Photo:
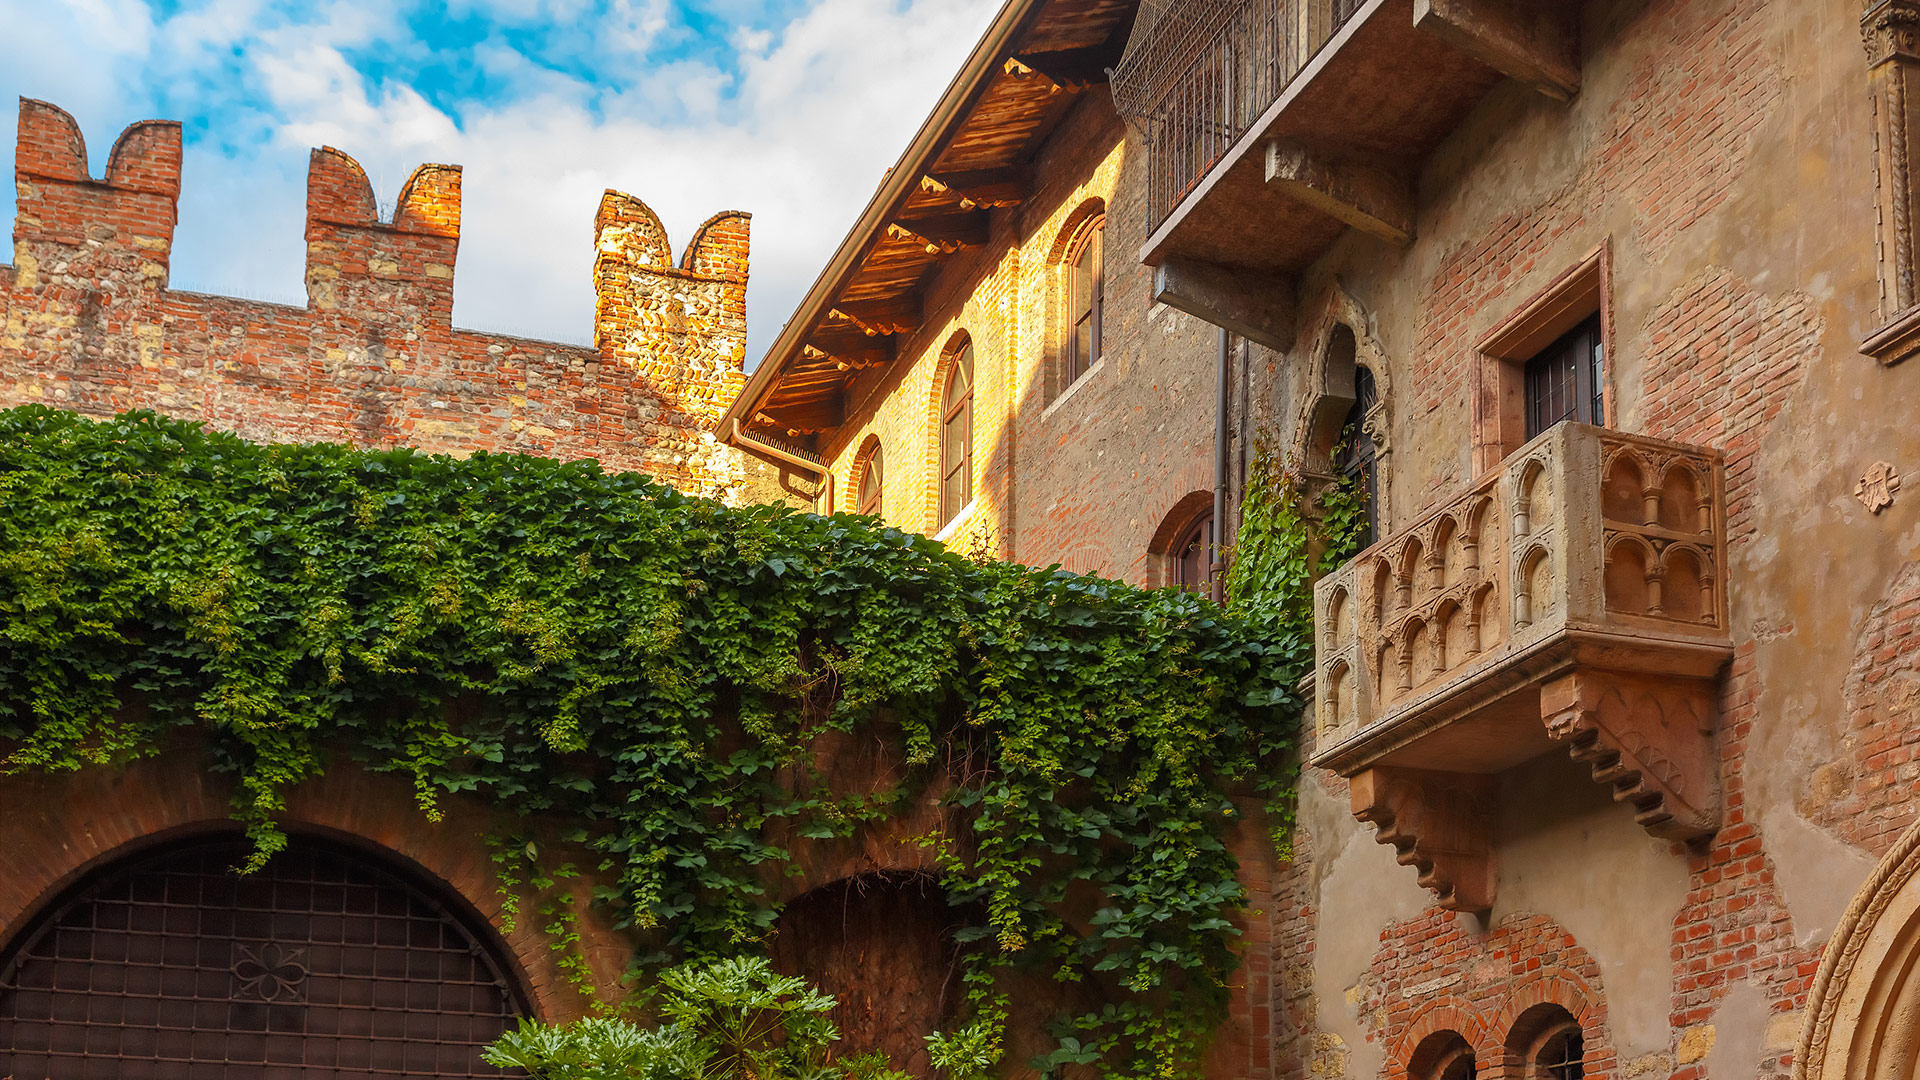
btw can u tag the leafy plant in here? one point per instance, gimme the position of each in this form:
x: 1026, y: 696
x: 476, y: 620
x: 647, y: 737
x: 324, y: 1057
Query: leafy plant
x: 731, y: 1019
x: 638, y: 682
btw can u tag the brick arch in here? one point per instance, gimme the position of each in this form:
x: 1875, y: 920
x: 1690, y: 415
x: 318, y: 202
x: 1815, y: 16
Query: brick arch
x: 62, y: 827
x: 1485, y: 982
x: 1073, y: 228
x: 1439, y: 1016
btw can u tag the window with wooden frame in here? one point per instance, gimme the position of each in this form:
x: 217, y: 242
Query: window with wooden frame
x: 1086, y: 295
x: 1545, y: 363
x: 872, y: 475
x: 956, y: 436
x: 1190, y: 560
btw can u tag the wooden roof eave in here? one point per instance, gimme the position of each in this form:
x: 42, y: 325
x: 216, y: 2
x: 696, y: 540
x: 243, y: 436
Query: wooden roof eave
x: 974, y: 77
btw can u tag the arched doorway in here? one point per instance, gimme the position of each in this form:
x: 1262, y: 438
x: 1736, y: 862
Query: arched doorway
x: 168, y: 965
x: 1863, y: 1014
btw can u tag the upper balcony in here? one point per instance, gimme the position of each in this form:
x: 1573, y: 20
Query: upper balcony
x: 1576, y: 595
x: 1273, y: 125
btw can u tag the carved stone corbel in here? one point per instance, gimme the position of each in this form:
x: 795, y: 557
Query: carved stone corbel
x: 1650, y: 739
x: 1890, y: 31
x: 1440, y: 823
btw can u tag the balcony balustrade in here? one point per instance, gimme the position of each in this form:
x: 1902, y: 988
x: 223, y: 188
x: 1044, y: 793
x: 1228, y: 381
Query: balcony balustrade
x: 1575, y: 596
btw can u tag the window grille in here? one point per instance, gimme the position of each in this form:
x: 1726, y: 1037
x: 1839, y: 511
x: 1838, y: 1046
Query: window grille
x: 1566, y: 381
x: 320, y: 965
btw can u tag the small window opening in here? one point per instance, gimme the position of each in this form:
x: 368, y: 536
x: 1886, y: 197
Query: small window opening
x: 1565, y: 382
x: 1563, y: 1056
x: 868, y: 498
x: 1356, y: 459
x: 1086, y: 288
x: 956, y: 437
x: 1191, y: 557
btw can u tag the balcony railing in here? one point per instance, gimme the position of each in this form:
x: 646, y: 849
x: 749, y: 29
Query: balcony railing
x: 1198, y: 78
x: 1577, y: 596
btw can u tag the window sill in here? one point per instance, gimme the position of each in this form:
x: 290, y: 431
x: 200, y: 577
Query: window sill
x: 1067, y: 394
x: 959, y: 521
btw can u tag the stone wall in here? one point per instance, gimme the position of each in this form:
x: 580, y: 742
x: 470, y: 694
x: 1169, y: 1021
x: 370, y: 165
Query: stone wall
x: 88, y: 322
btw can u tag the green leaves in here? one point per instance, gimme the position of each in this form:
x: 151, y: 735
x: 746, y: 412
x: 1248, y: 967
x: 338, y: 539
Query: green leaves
x: 653, y: 684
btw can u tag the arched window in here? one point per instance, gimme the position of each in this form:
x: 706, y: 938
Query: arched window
x: 1561, y: 1055
x: 322, y: 963
x: 1355, y: 459
x: 1086, y: 293
x: 867, y: 498
x: 956, y: 436
x: 1443, y: 1055
x: 1190, y: 562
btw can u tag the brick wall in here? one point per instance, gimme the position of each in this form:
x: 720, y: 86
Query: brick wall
x: 88, y: 322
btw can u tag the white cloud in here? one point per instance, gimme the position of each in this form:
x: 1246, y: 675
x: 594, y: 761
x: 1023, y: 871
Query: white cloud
x: 799, y: 133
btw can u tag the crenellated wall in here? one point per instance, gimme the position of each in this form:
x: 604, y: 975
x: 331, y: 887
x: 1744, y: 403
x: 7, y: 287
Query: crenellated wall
x: 88, y: 321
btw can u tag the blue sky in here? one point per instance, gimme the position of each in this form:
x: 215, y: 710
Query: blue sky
x: 790, y: 109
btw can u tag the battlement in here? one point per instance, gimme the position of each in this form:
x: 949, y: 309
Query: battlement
x: 87, y: 319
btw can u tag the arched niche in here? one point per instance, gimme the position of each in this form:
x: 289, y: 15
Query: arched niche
x: 1339, y: 347
x: 883, y: 944
x: 1863, y: 1015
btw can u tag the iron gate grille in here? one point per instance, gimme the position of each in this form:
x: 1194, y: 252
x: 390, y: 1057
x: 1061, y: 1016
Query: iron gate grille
x: 318, y: 966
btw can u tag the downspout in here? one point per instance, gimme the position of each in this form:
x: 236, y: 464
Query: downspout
x: 821, y: 474
x: 1220, y: 452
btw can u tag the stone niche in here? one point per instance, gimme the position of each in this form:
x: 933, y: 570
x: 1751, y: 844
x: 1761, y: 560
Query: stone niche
x: 1575, y: 595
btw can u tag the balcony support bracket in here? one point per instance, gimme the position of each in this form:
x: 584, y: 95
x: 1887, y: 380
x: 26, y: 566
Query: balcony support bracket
x: 1649, y: 738
x: 1440, y: 823
x: 1373, y: 200
x: 1535, y: 43
x: 1259, y: 307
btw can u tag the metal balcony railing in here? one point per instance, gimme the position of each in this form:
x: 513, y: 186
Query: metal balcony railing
x: 1198, y: 74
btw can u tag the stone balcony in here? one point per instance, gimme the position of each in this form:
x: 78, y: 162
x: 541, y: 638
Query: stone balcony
x: 1576, y: 596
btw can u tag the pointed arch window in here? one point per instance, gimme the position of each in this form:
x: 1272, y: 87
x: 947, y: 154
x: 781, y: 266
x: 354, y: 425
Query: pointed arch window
x: 1086, y: 293
x: 956, y: 436
x: 867, y: 498
x: 1357, y: 458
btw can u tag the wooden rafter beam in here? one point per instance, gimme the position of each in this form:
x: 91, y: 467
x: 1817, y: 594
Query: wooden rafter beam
x: 849, y: 354
x: 1008, y: 186
x: 1071, y: 69
x: 895, y: 315
x: 944, y: 234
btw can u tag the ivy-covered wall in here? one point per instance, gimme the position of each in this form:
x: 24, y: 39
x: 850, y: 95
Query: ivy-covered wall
x: 649, y: 695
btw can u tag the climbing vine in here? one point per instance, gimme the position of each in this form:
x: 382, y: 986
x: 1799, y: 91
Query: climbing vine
x: 652, y: 675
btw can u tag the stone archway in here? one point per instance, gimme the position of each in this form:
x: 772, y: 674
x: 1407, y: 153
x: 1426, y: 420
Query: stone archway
x: 1863, y: 1015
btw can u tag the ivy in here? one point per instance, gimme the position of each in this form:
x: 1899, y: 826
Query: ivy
x: 640, y: 681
